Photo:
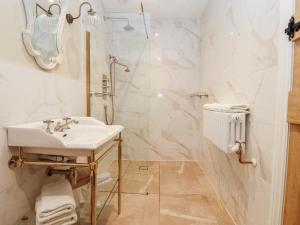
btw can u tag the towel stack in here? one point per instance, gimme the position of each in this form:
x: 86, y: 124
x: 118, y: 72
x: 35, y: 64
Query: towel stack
x: 228, y: 108
x: 56, y: 204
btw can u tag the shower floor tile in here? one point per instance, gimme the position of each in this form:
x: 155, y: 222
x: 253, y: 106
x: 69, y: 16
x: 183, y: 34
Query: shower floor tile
x: 193, y: 209
x: 141, y: 178
x: 185, y: 197
x: 183, y: 178
x: 163, y: 193
x: 136, y: 210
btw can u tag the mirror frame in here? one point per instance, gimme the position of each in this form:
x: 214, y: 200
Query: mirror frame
x: 27, y: 37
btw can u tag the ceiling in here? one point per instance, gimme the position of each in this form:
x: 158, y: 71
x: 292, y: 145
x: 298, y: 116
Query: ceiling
x: 158, y: 8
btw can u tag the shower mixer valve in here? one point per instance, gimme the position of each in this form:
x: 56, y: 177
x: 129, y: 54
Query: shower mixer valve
x: 105, y: 85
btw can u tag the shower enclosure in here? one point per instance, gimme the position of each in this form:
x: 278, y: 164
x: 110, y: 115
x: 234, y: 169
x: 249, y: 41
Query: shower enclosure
x: 119, y: 80
x: 118, y: 93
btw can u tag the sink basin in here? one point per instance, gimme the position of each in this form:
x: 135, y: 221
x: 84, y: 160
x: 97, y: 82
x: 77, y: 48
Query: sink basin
x: 88, y: 134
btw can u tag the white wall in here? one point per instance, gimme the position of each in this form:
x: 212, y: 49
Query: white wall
x: 27, y: 94
x: 240, y: 64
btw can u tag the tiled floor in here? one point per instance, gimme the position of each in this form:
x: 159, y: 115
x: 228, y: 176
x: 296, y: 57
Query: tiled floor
x: 161, y: 193
x: 178, y: 194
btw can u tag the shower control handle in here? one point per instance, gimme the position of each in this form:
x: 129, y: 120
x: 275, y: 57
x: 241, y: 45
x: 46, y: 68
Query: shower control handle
x: 106, y: 85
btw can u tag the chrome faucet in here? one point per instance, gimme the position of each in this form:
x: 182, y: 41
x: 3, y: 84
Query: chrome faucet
x: 61, y: 127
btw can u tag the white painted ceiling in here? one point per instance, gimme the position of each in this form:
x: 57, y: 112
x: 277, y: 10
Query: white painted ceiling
x: 158, y: 8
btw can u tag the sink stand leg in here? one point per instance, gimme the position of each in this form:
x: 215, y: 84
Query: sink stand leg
x: 120, y: 174
x: 93, y: 169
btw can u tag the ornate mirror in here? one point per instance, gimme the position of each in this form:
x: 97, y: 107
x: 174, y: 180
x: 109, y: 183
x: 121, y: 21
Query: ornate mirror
x: 42, y: 37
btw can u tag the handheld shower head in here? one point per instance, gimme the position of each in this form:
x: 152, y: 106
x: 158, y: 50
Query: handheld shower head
x: 114, y: 60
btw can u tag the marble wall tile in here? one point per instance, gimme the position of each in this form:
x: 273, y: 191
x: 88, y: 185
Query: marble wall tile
x: 239, y: 64
x: 231, y: 52
x: 27, y: 94
x: 152, y: 101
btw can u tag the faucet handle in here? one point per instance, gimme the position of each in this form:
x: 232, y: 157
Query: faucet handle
x: 66, y: 119
x: 48, y: 122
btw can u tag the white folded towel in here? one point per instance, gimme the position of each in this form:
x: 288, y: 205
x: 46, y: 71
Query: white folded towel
x: 231, y: 108
x: 61, y: 218
x: 56, y: 202
x: 104, y: 178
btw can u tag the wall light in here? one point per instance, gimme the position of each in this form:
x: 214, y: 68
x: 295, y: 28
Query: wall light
x: 47, y: 11
x: 91, y: 12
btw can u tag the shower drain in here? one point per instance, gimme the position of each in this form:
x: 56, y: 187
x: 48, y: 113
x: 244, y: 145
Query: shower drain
x: 143, y: 168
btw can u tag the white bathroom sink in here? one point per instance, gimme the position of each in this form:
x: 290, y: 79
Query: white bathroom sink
x: 88, y: 134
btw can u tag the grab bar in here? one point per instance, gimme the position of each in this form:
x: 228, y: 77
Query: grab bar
x: 199, y: 94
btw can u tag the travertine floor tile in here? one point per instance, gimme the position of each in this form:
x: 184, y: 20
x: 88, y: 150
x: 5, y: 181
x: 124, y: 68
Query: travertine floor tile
x: 180, y: 194
x: 140, y: 184
x: 141, y: 178
x: 136, y: 210
x: 180, y: 167
x: 191, y: 209
x: 183, y: 178
x: 142, y: 167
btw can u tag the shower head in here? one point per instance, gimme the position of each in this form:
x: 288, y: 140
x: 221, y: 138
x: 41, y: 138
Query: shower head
x: 114, y: 60
x: 127, y: 70
x: 128, y: 27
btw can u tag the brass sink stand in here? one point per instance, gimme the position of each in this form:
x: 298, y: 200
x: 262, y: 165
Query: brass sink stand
x: 19, y: 161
